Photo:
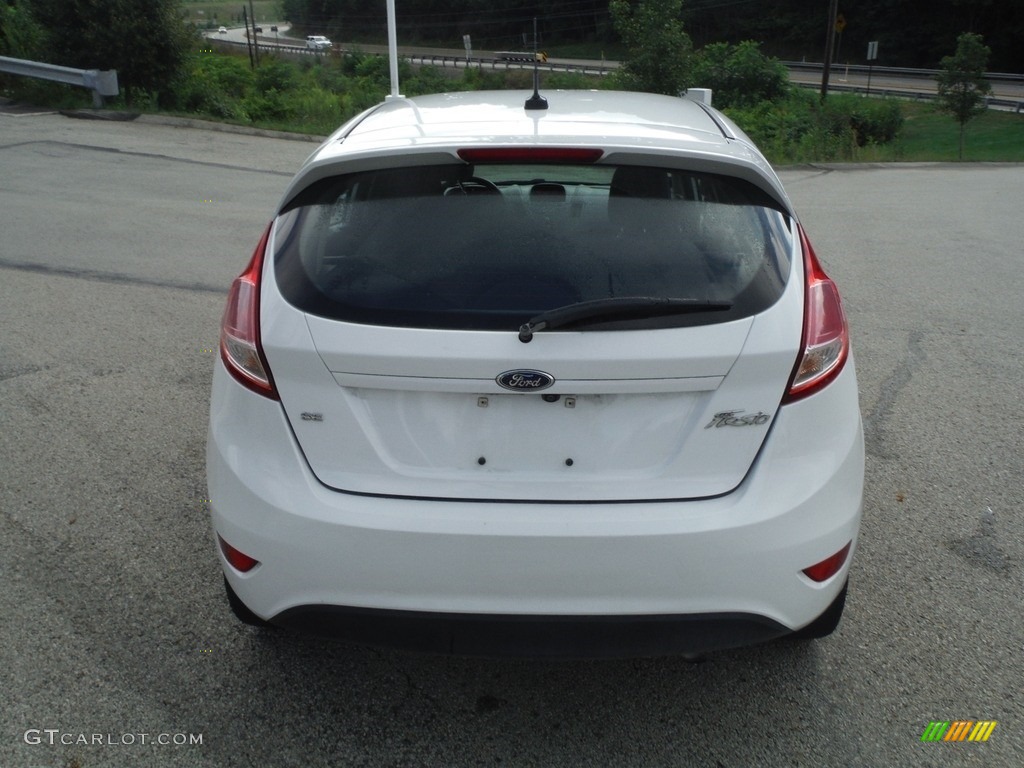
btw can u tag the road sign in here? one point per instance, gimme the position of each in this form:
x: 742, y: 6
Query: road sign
x: 840, y: 23
x: 872, y: 55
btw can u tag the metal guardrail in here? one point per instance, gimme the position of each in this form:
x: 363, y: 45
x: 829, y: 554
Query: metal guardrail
x: 462, y: 62
x: 813, y: 66
x: 431, y: 59
x: 100, y: 82
x: 990, y: 101
x: 1009, y: 82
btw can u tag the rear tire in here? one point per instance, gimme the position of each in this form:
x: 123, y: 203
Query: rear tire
x: 826, y: 624
x: 241, y: 610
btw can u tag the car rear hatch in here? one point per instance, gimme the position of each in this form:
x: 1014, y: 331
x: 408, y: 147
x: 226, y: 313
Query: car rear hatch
x: 532, y: 333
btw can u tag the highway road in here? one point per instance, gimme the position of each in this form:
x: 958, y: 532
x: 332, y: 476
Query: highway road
x: 117, y: 649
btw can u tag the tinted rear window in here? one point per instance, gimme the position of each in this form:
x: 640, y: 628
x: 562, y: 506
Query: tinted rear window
x: 489, y: 247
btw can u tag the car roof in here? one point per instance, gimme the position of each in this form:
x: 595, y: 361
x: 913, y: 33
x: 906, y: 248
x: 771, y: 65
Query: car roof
x: 632, y: 128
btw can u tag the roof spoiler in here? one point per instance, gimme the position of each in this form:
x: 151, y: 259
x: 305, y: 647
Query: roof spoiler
x: 700, y: 95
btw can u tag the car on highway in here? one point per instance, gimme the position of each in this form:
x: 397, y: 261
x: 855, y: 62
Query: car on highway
x: 528, y: 376
x: 318, y: 43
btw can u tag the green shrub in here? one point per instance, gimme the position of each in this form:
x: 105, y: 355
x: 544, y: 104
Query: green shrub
x: 377, y: 70
x: 566, y: 81
x: 276, y: 75
x: 799, y: 128
x: 428, y: 80
x: 267, y: 107
x: 227, y: 75
x: 739, y: 75
x: 213, y: 86
x: 874, y: 121
x: 476, y: 79
x: 320, y: 111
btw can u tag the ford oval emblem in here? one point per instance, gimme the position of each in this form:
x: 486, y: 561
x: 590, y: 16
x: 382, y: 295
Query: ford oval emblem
x: 525, y: 381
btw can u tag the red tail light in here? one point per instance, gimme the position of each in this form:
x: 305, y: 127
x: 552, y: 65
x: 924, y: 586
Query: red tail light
x: 825, y: 346
x: 240, y: 346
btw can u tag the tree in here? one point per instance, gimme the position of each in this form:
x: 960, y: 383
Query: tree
x: 21, y: 35
x: 146, y: 41
x: 739, y: 75
x: 962, y: 83
x: 659, y: 51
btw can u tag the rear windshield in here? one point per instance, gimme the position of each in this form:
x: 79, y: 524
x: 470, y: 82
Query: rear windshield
x: 490, y: 247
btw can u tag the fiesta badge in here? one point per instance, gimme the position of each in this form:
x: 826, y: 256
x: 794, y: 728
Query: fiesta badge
x: 525, y: 381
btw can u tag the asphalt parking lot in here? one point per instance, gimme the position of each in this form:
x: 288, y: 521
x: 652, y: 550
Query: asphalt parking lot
x: 117, y: 245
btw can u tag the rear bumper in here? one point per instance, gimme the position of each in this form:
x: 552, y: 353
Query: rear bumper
x: 623, y: 577
x: 533, y: 636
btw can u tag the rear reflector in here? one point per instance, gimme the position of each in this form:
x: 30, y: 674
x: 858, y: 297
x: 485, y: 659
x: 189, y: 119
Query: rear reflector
x: 828, y: 567
x: 238, y: 560
x: 531, y: 155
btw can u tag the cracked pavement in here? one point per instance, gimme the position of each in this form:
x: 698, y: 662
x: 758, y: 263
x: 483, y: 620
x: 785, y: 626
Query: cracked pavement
x: 117, y: 245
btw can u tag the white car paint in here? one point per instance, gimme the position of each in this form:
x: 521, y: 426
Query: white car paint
x: 318, y: 43
x: 366, y: 467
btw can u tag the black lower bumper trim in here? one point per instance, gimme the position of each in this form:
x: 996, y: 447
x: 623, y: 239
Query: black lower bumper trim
x: 535, y: 636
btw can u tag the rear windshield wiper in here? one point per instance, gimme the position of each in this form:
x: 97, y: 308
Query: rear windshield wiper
x: 618, y: 308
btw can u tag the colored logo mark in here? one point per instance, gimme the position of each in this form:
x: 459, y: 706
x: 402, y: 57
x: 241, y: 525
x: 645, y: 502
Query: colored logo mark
x: 959, y: 730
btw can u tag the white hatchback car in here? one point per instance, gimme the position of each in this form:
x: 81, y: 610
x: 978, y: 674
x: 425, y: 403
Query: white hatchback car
x: 561, y: 381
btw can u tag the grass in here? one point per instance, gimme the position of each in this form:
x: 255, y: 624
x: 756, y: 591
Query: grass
x: 931, y: 136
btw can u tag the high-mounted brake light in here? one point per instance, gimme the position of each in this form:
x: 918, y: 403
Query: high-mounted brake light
x: 531, y: 154
x: 825, y: 345
x: 240, y: 346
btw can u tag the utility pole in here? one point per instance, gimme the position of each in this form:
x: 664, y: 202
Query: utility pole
x: 248, y: 40
x: 255, y: 40
x: 833, y: 13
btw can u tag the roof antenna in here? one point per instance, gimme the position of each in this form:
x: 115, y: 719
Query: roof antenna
x: 536, y: 101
